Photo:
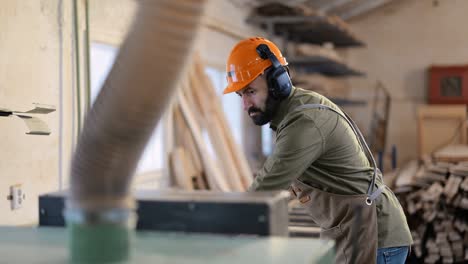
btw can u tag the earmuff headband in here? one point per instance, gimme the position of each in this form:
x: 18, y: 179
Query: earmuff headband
x: 265, y: 53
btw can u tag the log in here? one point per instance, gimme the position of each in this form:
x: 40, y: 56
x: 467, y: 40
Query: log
x: 437, y: 213
x: 451, y: 187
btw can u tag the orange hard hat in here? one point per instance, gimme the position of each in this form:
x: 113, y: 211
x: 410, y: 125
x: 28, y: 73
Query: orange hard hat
x: 244, y: 63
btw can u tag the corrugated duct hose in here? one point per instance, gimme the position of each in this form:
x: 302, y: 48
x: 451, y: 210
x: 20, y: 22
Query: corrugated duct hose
x: 100, y: 211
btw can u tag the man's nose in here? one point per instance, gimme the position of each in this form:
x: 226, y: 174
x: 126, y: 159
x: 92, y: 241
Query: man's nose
x: 246, y: 103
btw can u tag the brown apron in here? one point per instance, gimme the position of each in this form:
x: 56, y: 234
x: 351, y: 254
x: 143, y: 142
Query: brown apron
x: 350, y: 220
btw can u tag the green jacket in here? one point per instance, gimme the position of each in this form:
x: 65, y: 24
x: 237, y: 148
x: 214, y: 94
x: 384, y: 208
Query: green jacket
x: 318, y: 147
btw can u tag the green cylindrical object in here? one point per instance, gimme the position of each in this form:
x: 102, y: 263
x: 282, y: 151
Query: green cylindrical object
x: 100, y: 237
x: 101, y: 243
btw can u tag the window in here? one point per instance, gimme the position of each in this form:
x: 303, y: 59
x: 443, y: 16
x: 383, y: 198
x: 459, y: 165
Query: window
x: 102, y: 58
x: 451, y: 86
x: 267, y: 140
x: 232, y: 105
x: 233, y: 110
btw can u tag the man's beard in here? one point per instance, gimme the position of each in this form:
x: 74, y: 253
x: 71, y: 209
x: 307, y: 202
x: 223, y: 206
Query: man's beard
x: 263, y: 117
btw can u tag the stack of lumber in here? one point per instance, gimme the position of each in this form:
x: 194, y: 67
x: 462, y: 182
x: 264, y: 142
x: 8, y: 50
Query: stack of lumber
x: 330, y: 87
x: 435, y: 198
x: 196, y: 121
x: 326, y: 51
x: 312, y: 27
x: 280, y: 9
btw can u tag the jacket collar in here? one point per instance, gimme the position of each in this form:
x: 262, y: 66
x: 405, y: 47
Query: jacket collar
x: 283, y: 110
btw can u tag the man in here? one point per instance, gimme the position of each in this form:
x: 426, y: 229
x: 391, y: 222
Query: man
x: 320, y: 156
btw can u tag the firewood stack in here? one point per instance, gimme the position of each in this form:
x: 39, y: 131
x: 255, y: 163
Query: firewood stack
x: 196, y: 120
x: 435, y: 199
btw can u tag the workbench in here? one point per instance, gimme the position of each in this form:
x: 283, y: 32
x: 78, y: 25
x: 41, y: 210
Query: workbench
x: 49, y: 245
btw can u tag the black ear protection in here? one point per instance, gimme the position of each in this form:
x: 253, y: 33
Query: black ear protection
x: 279, y: 83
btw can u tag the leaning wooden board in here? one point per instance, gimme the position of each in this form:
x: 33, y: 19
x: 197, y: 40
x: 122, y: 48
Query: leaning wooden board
x: 238, y: 156
x: 214, y: 175
x: 452, y: 153
x: 439, y: 126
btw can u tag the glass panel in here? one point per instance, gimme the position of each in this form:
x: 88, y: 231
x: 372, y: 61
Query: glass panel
x: 267, y: 140
x: 152, y: 158
x: 102, y: 59
x: 232, y: 105
x: 451, y: 86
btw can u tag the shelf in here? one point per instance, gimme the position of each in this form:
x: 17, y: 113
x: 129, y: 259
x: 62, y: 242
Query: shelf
x: 313, y: 30
x: 304, y: 26
x: 322, y: 65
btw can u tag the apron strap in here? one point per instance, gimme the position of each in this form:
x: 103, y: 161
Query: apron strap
x: 374, y: 195
x: 371, y: 194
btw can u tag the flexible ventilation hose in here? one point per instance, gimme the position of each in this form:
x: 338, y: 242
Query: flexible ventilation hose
x: 145, y: 74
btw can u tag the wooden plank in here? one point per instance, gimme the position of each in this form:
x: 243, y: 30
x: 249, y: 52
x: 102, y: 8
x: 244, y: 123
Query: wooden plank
x: 181, y: 169
x: 407, y: 173
x: 452, y: 153
x: 451, y: 186
x: 219, y: 142
x: 464, y: 185
x: 433, y: 193
x: 169, y: 142
x: 214, y: 176
x: 390, y: 178
x: 186, y: 140
x: 237, y: 154
x: 440, y: 125
x: 195, y: 105
x: 194, y: 156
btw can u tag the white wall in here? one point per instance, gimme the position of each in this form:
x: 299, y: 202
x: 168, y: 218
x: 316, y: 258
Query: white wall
x: 35, y: 66
x: 111, y: 19
x: 403, y: 39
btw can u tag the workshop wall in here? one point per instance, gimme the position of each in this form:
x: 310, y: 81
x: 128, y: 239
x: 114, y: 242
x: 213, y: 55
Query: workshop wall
x: 35, y: 67
x: 224, y: 25
x: 403, y: 39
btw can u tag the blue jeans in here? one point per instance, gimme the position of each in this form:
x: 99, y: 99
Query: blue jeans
x: 392, y: 255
